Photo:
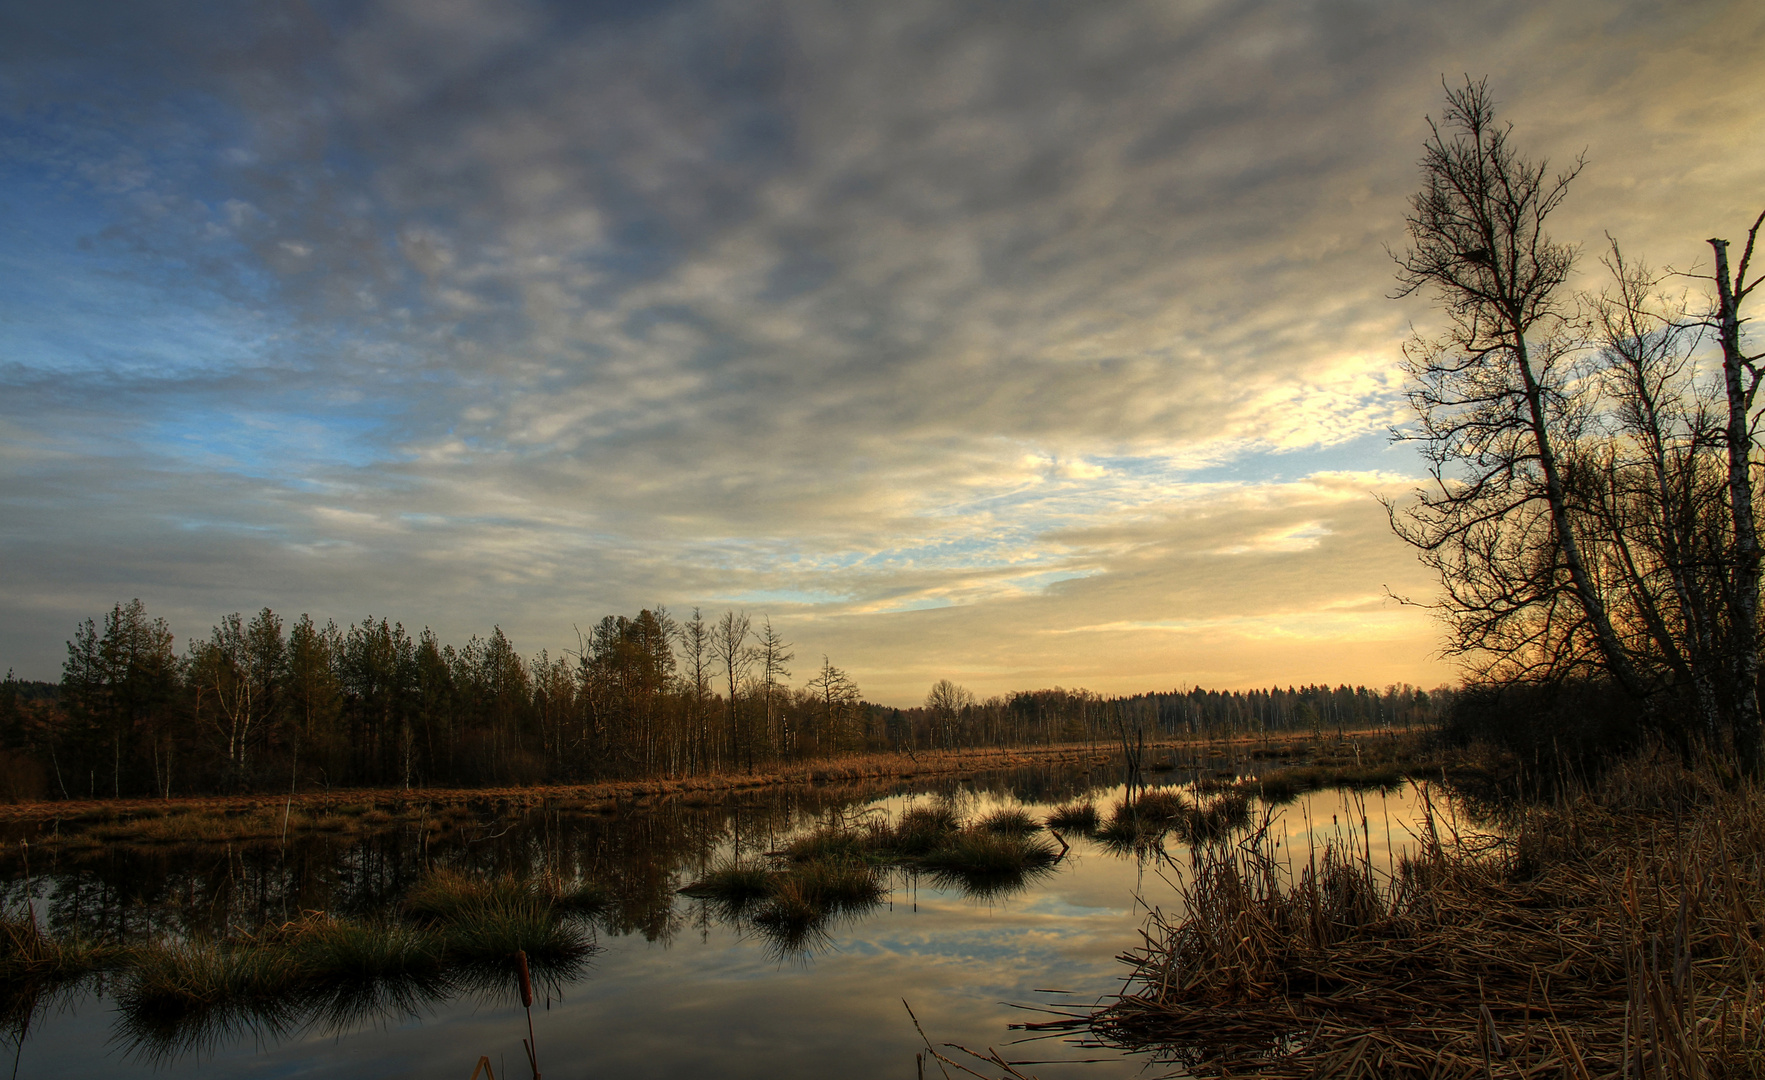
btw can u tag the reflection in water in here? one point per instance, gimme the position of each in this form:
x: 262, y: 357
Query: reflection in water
x: 191, y: 998
x: 211, y: 908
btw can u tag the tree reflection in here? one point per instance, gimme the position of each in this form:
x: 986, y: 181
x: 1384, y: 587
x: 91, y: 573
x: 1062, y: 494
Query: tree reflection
x: 212, y: 943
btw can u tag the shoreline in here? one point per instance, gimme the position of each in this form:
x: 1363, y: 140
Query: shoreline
x: 609, y: 794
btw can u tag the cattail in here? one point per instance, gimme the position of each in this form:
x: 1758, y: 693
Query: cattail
x: 526, y: 980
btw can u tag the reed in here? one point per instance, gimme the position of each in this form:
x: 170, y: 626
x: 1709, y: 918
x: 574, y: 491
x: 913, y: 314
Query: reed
x: 1613, y: 932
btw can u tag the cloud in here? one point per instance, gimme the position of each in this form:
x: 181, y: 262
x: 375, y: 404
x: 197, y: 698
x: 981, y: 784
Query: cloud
x: 993, y: 323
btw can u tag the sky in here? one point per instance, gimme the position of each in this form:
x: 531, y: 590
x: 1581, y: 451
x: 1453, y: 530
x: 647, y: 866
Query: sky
x: 1021, y: 344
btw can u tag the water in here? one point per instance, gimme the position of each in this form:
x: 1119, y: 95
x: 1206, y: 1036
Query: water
x: 673, y: 989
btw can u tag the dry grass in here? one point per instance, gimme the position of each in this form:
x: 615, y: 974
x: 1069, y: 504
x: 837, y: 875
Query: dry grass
x: 397, y: 804
x: 1615, y: 933
x: 28, y: 955
x: 1011, y: 820
x: 1075, y: 817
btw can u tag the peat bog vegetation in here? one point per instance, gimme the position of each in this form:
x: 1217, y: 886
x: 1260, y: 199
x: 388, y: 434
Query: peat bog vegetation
x: 206, y: 928
x: 300, y: 848
x: 1540, y: 923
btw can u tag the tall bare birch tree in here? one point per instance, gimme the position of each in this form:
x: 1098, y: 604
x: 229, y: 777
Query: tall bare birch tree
x: 1741, y: 384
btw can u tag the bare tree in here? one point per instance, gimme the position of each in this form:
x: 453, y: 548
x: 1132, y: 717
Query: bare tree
x: 1591, y: 509
x: 1649, y: 485
x: 945, y: 701
x: 729, y: 643
x: 1496, y: 405
x: 837, y: 695
x: 772, y: 653
x: 695, y: 643
x: 1741, y: 383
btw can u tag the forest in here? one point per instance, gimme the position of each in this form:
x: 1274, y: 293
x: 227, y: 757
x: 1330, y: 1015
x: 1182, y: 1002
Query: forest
x: 263, y: 703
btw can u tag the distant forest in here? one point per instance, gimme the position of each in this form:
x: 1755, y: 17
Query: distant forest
x: 262, y: 704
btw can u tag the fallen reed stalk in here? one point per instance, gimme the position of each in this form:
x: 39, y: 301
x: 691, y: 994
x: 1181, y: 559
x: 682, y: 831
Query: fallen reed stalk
x: 1613, y: 933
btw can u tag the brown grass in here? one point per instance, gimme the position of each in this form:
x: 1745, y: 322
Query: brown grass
x: 126, y: 819
x: 1614, y: 933
x: 401, y: 803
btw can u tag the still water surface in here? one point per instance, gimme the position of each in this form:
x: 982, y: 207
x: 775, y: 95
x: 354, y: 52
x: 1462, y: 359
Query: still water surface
x: 672, y: 990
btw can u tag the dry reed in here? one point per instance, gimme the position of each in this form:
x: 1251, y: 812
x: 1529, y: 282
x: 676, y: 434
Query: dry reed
x: 1614, y: 933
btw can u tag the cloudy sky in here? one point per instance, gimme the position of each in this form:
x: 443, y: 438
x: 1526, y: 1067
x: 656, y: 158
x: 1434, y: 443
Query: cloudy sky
x: 1021, y: 343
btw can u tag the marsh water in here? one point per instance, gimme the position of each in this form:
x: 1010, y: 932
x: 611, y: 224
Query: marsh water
x: 674, y: 987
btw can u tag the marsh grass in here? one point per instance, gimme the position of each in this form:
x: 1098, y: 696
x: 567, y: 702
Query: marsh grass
x: 732, y: 883
x: 832, y: 843
x: 458, y: 932
x: 1140, y: 824
x: 206, y: 983
x: 920, y: 830
x: 1010, y: 821
x: 1165, y: 806
x: 28, y: 955
x: 1215, y: 819
x: 487, y: 920
x: 1125, y: 834
x: 1079, y: 817
x: 981, y: 851
x: 1613, y: 932
x: 1285, y: 785
x: 792, y: 904
x: 838, y: 870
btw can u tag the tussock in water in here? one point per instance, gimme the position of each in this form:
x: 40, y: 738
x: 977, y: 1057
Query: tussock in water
x: 1011, y: 821
x: 984, y: 863
x: 732, y: 884
x: 1285, y: 785
x: 793, y: 904
x: 1075, y: 817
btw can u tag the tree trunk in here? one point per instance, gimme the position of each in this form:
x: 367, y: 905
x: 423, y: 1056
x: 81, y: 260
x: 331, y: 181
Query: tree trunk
x: 1744, y: 586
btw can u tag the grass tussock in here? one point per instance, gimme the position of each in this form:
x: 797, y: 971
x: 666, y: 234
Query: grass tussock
x: 831, y: 844
x: 732, y: 883
x: 1140, y: 824
x: 1214, y: 820
x: 486, y: 920
x: 1009, y: 821
x: 980, y: 855
x: 1616, y: 932
x: 458, y: 931
x: 30, y: 956
x: 1075, y: 817
x: 1284, y: 785
x: 920, y: 830
x: 793, y: 903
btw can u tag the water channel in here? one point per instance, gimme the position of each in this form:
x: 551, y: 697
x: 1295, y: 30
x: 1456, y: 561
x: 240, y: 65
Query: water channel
x: 673, y: 988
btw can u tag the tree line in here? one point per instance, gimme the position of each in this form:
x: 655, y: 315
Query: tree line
x: 1591, y: 514
x: 268, y: 704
